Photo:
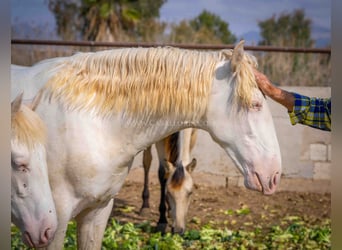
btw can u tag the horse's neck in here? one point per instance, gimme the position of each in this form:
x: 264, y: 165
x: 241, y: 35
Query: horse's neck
x: 147, y: 136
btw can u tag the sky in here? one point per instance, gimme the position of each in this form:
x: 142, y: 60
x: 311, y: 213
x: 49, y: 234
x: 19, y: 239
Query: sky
x: 241, y: 15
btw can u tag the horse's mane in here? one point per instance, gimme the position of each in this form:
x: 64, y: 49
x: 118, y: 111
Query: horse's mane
x: 27, y: 128
x: 142, y: 82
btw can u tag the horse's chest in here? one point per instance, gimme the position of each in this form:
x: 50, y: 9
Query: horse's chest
x: 96, y: 181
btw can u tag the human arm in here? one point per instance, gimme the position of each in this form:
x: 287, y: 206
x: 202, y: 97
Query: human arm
x: 310, y: 111
x: 277, y: 94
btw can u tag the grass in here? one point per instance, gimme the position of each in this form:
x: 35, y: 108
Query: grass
x: 292, y: 233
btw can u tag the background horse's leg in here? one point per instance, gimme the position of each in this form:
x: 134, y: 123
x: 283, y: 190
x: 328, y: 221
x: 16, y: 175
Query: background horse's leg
x: 162, y: 222
x: 91, y: 225
x: 147, y: 159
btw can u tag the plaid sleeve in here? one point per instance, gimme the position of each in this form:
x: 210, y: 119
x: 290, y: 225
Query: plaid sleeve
x: 314, y: 112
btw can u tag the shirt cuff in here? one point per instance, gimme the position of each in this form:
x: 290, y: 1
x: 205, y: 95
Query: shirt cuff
x: 300, y: 109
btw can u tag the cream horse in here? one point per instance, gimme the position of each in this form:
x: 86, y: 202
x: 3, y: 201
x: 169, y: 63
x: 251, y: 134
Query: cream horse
x: 32, y: 206
x: 176, y: 184
x: 102, y: 108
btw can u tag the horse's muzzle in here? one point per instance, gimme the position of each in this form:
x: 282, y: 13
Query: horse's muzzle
x: 44, y: 239
x: 268, y: 183
x: 178, y: 230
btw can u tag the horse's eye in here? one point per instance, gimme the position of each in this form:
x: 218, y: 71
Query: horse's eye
x: 189, y: 193
x: 23, y: 168
x: 256, y: 105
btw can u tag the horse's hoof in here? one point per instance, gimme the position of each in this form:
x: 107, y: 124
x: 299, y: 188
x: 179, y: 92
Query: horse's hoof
x: 161, y: 227
x: 145, y: 211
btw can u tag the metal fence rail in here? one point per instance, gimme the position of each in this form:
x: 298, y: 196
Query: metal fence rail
x: 185, y: 46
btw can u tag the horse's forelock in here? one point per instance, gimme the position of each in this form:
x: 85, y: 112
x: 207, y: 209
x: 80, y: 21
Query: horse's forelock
x: 245, y: 81
x: 27, y: 128
x: 178, y: 176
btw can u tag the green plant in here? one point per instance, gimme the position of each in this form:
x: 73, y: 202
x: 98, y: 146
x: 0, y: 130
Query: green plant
x: 292, y: 232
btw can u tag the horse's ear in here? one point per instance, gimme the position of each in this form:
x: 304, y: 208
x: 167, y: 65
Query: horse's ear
x: 191, y: 166
x: 237, y: 55
x: 16, y: 103
x: 169, y: 167
x: 33, y: 105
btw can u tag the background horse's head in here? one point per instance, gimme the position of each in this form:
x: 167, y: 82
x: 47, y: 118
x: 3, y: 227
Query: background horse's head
x: 32, y: 205
x: 179, y: 187
x: 240, y: 121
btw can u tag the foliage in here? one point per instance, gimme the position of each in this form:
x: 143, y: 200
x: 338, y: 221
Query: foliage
x: 103, y: 20
x: 292, y: 232
x: 16, y: 241
x: 205, y: 28
x: 288, y: 30
x: 292, y: 30
x: 213, y: 23
x: 67, y: 18
x: 132, y: 20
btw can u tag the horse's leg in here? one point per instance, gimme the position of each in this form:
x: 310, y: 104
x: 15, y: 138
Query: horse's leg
x: 162, y: 222
x: 193, y: 138
x: 91, y: 225
x: 147, y: 159
x: 189, y: 140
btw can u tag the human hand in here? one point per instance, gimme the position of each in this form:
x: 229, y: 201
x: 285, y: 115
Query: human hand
x: 261, y: 80
x: 279, y: 95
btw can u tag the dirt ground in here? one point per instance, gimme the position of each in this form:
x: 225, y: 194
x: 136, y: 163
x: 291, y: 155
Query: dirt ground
x: 210, y: 205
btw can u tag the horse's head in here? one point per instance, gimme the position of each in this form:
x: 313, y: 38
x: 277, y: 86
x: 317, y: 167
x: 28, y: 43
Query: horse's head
x: 32, y: 206
x: 178, y: 192
x: 240, y: 121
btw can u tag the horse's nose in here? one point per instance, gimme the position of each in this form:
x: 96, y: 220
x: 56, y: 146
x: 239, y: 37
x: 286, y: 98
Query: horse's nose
x: 178, y: 230
x: 44, y: 239
x: 267, y: 183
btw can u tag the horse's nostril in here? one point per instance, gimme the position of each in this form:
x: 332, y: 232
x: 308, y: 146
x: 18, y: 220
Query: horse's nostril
x: 276, y: 178
x: 45, y: 236
x: 28, y: 239
x: 274, y: 181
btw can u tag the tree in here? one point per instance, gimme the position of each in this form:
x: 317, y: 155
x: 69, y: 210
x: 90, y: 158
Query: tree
x: 207, y: 21
x: 292, y: 30
x: 205, y: 28
x: 288, y: 30
x: 66, y: 15
x: 103, y: 20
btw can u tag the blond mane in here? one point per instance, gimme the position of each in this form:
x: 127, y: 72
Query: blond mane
x: 142, y: 82
x: 27, y: 128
